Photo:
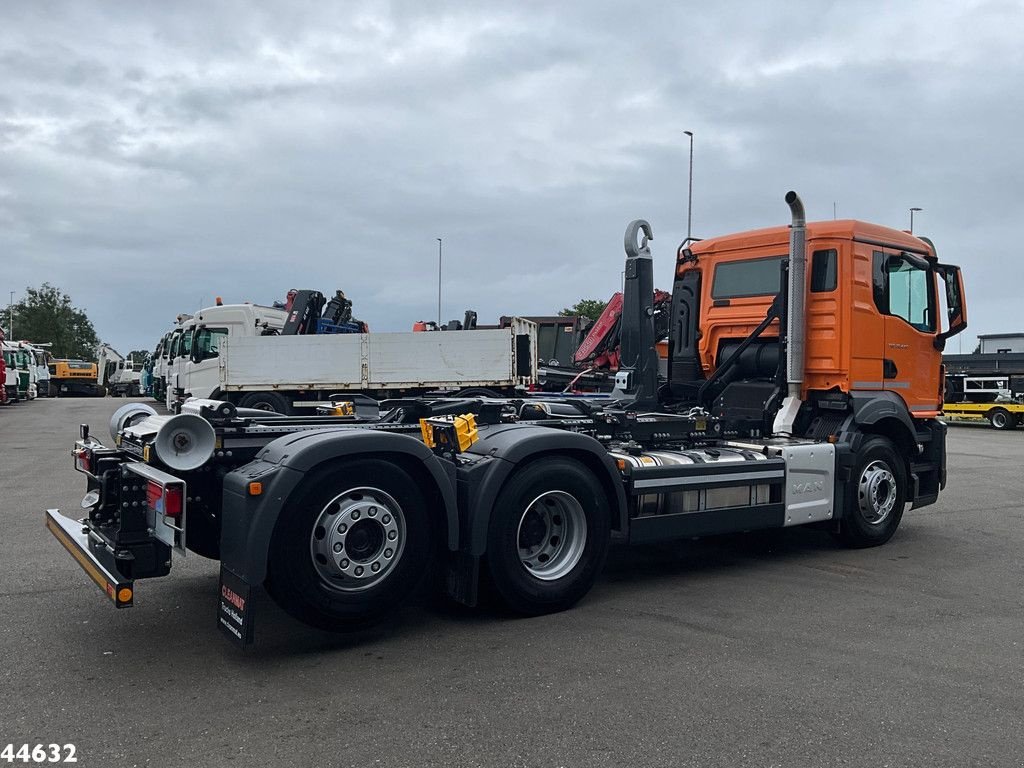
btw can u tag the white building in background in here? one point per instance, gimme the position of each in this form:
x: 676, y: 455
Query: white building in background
x: 992, y: 343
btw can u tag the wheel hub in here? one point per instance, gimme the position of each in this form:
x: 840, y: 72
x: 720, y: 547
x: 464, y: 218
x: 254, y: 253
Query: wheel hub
x: 357, y: 539
x: 551, y: 536
x: 876, y: 492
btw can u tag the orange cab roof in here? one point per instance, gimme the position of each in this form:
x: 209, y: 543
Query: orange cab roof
x: 843, y: 229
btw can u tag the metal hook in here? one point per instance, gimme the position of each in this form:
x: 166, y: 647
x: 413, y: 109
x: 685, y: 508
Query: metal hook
x: 632, y: 249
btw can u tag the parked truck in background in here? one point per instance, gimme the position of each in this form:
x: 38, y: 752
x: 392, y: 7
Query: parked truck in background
x: 997, y: 399
x: 199, y: 375
x: 118, y: 375
x: 235, y: 352
x: 8, y: 389
x: 163, y: 357
x: 19, y: 373
x: 804, y: 388
x: 40, y: 358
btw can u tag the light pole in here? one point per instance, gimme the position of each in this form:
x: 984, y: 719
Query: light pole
x: 912, y: 218
x: 439, y: 245
x: 689, y: 193
x: 10, y: 308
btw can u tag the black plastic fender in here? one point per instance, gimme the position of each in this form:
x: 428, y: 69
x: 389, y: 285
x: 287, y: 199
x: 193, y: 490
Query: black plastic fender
x: 247, y: 523
x: 871, y: 407
x: 507, y: 446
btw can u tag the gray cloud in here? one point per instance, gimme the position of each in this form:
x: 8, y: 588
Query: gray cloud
x: 155, y: 155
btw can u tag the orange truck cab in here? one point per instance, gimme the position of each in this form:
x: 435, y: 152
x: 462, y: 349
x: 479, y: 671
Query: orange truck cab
x: 830, y: 331
x: 872, y: 312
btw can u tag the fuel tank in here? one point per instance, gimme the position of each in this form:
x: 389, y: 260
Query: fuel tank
x: 697, y: 499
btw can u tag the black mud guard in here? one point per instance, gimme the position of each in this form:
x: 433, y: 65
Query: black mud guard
x: 248, y: 521
x: 502, y: 448
x: 871, y: 407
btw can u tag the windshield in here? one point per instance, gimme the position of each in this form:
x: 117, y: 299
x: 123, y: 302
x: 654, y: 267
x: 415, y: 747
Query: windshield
x: 208, y: 341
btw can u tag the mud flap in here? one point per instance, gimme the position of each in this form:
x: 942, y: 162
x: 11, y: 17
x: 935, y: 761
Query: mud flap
x: 235, y: 609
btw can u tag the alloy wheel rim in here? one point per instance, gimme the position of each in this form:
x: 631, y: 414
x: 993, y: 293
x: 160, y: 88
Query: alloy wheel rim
x: 358, y: 539
x: 551, y: 535
x: 876, y: 492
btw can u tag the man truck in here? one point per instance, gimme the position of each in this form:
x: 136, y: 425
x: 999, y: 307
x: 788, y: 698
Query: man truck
x: 804, y: 387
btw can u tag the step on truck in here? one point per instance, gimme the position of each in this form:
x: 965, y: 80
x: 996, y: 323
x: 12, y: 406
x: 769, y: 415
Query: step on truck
x: 804, y: 388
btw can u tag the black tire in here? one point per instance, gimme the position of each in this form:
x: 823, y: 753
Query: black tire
x: 1001, y: 419
x: 295, y: 581
x: 879, y: 474
x: 266, y: 401
x: 547, y: 485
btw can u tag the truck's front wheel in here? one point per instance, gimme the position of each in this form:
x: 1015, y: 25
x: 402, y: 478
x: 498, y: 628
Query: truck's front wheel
x: 352, y: 545
x: 548, y: 536
x: 876, y: 495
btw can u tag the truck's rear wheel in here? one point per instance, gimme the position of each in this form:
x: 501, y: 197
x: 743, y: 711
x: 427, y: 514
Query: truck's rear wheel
x: 266, y: 401
x: 548, y: 536
x: 350, y: 546
x: 876, y: 495
x: 1000, y: 418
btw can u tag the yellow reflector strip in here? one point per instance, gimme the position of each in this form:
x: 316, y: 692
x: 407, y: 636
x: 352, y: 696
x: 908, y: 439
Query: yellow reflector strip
x: 82, y: 560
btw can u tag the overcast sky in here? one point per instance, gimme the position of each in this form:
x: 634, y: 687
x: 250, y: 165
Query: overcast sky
x: 154, y: 155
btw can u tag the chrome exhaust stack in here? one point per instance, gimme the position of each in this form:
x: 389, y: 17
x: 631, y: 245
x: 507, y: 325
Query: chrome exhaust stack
x: 796, y: 321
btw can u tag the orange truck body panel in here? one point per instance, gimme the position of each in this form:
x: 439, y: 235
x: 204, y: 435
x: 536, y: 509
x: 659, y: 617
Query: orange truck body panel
x: 848, y: 338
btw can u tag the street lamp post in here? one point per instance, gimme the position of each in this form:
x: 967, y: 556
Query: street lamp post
x: 689, y: 193
x: 439, y: 245
x: 10, y: 308
x: 912, y: 218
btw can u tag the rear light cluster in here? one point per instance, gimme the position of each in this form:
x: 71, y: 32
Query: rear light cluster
x: 83, y: 460
x: 165, y: 500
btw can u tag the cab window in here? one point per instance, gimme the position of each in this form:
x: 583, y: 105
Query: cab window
x: 824, y: 271
x: 902, y: 289
x: 749, y: 277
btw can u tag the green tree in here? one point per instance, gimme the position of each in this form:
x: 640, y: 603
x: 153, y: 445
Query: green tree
x: 47, y: 314
x: 591, y: 308
x: 138, y: 355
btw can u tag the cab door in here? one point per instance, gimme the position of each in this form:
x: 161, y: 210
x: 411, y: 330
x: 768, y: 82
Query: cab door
x: 904, y: 290
x: 204, y: 370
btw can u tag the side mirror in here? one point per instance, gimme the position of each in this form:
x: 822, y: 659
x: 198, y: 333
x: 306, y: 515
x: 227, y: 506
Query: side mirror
x: 956, y: 308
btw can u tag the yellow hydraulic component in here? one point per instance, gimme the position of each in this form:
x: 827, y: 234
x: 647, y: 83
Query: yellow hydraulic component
x: 343, y: 408
x: 449, y: 434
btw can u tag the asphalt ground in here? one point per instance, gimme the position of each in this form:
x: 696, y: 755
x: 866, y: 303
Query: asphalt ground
x: 754, y: 650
